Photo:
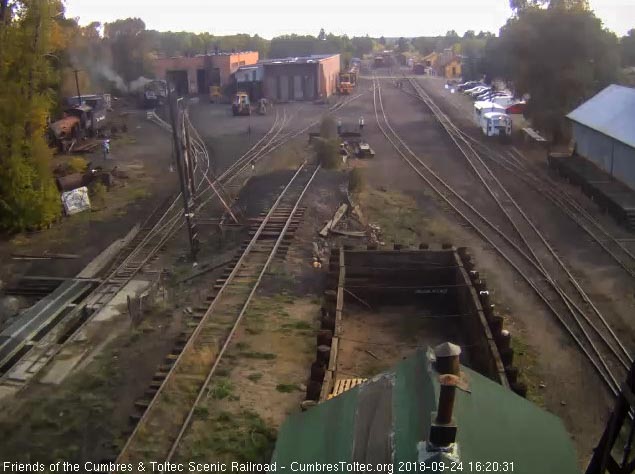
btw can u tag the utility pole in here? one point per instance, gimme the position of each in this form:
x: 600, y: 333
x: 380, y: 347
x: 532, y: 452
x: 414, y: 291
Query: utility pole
x: 178, y: 152
x: 79, y: 95
x: 190, y: 161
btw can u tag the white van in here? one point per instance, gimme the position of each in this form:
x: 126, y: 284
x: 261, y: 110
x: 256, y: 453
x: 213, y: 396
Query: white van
x: 483, y: 106
x: 496, y: 124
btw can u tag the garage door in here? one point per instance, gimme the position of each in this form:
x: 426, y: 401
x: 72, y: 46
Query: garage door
x: 298, y: 91
x: 283, y: 82
x: 310, y: 87
x: 271, y: 88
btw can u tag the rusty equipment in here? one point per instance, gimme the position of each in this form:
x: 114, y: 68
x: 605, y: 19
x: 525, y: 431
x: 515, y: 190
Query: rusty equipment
x: 347, y: 81
x: 215, y: 95
x: 80, y: 120
x: 241, y: 104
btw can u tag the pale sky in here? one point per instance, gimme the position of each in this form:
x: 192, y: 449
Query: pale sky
x: 268, y: 18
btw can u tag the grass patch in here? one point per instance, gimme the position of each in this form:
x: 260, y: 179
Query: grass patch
x: 242, y: 437
x: 526, y: 359
x: 301, y: 325
x: 287, y: 156
x: 223, y: 372
x: 286, y: 387
x: 241, y: 346
x: 97, y: 193
x: 283, y: 279
x: 77, y: 164
x: 222, y: 389
x: 258, y: 355
x: 135, y: 192
x: 52, y: 426
x: 356, y: 181
x: 255, y: 376
x: 284, y: 298
x: 400, y: 218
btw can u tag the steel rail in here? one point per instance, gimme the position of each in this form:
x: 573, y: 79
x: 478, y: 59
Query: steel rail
x: 210, y: 310
x: 243, y: 310
x: 607, y: 378
x: 554, y: 193
x: 560, y: 199
x: 460, y: 141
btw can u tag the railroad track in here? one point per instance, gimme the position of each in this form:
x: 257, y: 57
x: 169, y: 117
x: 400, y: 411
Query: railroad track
x: 184, y: 378
x: 516, y: 164
x: 158, y: 229
x: 546, y: 275
x: 147, y: 242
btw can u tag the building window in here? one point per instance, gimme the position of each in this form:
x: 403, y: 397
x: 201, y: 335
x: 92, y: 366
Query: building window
x: 242, y: 63
x: 253, y: 76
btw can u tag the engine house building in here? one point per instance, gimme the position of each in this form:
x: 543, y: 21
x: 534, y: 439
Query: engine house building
x: 303, y: 78
x: 195, y: 75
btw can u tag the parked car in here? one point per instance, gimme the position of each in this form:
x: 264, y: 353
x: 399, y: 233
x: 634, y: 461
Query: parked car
x: 478, y: 92
x: 475, y: 88
x: 485, y: 95
x: 492, y: 95
x: 469, y: 85
x: 517, y: 108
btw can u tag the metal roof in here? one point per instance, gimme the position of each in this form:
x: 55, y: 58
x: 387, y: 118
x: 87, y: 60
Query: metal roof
x: 611, y: 112
x: 314, y: 58
x: 385, y: 419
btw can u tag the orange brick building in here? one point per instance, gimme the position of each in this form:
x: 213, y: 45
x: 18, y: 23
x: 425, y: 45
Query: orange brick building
x: 194, y: 75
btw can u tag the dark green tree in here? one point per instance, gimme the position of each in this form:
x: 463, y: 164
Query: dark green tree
x: 559, y: 57
x: 627, y: 49
x: 402, y: 45
x: 130, y: 48
x: 362, y: 45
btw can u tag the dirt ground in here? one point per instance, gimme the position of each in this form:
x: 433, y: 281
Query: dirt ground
x: 268, y: 362
x: 262, y: 378
x: 375, y: 341
x: 144, y: 153
x: 121, y: 371
x: 548, y: 358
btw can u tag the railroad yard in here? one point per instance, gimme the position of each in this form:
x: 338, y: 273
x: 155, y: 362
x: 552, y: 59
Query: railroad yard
x: 148, y: 354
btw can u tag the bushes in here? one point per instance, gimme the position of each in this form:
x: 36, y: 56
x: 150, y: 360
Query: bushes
x: 97, y: 193
x: 77, y: 164
x: 356, y: 181
x: 29, y: 199
x: 327, y: 145
x: 28, y: 196
x: 328, y: 152
x: 328, y: 129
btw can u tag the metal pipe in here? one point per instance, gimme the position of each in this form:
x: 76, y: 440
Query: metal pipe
x: 79, y: 95
x: 445, y: 409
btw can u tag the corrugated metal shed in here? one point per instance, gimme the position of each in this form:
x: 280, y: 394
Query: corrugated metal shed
x: 385, y: 419
x: 611, y: 112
